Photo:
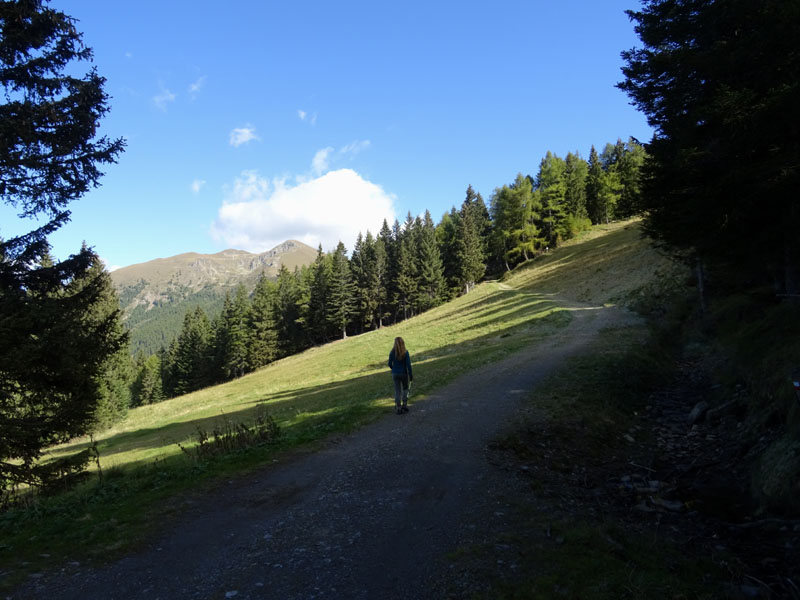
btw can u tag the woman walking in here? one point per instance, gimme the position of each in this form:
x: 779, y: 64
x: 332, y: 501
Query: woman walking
x: 400, y: 364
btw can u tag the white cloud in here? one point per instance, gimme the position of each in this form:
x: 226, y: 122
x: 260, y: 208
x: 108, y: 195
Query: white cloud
x: 258, y: 215
x: 242, y: 135
x: 354, y: 148
x: 324, y: 158
x: 195, y: 87
x: 321, y: 161
x: 302, y: 114
x: 162, y: 99
x: 311, y: 119
x: 197, y: 185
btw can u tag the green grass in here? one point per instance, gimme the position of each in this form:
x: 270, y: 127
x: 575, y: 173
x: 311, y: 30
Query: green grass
x: 324, y: 391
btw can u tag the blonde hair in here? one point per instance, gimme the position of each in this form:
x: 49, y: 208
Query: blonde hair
x: 399, y: 348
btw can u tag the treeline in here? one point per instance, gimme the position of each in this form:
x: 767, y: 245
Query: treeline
x: 402, y: 271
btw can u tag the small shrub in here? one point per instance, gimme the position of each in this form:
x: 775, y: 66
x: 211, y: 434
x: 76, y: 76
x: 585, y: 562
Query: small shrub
x: 227, y: 436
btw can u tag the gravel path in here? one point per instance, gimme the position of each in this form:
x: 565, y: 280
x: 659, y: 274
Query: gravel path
x: 372, y: 515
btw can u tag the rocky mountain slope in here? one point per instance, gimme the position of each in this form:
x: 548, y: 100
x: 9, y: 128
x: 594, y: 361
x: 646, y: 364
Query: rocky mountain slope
x: 155, y: 295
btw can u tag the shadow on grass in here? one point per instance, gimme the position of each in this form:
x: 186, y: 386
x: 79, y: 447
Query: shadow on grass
x: 303, y: 412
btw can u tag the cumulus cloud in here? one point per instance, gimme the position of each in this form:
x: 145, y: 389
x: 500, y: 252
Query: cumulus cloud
x: 257, y: 214
x: 163, y: 99
x: 197, y: 185
x: 242, y: 135
x: 302, y: 114
x: 195, y: 87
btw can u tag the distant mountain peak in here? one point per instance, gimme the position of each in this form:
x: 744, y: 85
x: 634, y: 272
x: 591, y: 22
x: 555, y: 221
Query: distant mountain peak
x: 158, y: 285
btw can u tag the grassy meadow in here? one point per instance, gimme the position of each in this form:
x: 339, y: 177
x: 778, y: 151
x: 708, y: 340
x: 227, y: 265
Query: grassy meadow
x: 327, y: 390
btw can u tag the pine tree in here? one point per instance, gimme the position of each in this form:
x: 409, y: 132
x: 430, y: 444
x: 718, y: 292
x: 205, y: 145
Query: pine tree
x: 430, y: 272
x: 317, y: 320
x: 192, y: 363
x: 114, y: 377
x: 551, y: 191
x: 407, y: 269
x: 291, y: 337
x: 575, y: 173
x: 389, y: 238
x: 342, y: 292
x: 262, y: 324
x: 447, y: 236
x: 53, y: 355
x: 594, y: 185
x: 232, y: 337
x: 471, y: 266
x: 147, y: 387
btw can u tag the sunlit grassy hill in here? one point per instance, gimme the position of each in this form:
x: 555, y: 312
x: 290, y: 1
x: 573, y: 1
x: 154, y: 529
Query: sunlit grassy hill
x: 324, y: 391
x: 345, y: 384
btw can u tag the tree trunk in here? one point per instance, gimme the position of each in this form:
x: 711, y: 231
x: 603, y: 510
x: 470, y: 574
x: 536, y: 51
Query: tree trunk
x: 701, y: 284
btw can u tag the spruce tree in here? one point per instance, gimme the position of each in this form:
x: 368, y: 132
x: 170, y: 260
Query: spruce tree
x: 407, y: 269
x: 594, y: 184
x: 447, y: 236
x: 262, y: 324
x: 317, y: 315
x: 53, y: 355
x: 388, y: 236
x: 232, y: 337
x: 342, y: 292
x: 430, y: 272
x: 471, y: 266
x: 291, y: 338
x: 193, y: 360
x: 147, y: 386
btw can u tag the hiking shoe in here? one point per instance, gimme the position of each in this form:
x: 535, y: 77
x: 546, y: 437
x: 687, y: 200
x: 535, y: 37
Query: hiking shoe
x: 399, y: 411
x: 404, y: 409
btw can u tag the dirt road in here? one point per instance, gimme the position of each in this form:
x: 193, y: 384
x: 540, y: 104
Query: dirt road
x: 372, y: 515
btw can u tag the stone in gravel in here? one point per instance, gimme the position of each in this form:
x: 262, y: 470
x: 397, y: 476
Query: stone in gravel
x: 698, y: 412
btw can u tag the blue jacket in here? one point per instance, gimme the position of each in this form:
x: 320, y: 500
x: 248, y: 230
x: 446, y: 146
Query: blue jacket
x: 400, y: 367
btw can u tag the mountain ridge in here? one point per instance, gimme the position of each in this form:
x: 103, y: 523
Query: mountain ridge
x: 155, y: 295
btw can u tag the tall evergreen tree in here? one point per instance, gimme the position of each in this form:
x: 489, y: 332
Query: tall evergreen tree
x: 551, y: 189
x: 317, y: 320
x: 594, y: 184
x: 471, y: 266
x: 192, y: 361
x: 262, y: 324
x: 147, y: 386
x: 447, y: 236
x: 287, y: 312
x: 342, y: 292
x: 407, y: 269
x: 232, y: 336
x: 430, y: 278
x: 114, y: 378
x: 52, y: 356
x: 575, y: 173
x: 389, y: 237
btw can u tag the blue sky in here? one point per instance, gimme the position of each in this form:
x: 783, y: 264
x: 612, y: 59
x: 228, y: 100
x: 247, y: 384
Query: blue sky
x: 252, y: 122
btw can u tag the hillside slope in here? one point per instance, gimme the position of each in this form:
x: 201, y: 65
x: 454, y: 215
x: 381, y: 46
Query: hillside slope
x: 155, y: 295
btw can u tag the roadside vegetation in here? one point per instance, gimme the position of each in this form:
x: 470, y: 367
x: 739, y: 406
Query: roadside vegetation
x: 324, y: 391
